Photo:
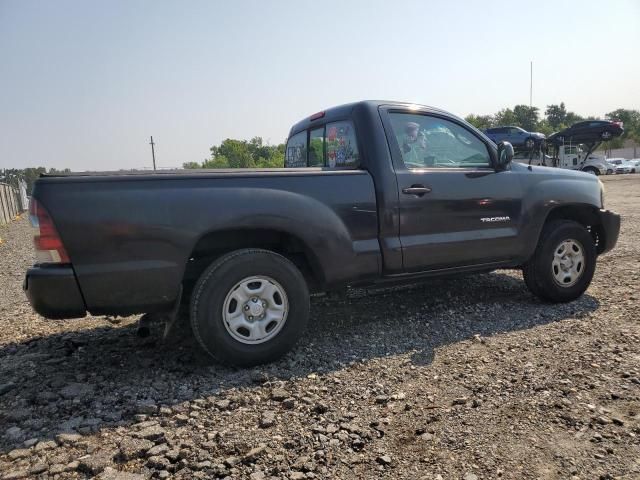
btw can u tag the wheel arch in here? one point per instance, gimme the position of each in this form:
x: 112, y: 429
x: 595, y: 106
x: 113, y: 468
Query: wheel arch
x: 586, y: 215
x: 213, y: 244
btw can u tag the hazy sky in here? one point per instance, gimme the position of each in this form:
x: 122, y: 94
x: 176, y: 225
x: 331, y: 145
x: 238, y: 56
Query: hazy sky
x: 84, y: 83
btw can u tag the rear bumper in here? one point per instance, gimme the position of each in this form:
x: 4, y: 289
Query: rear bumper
x: 53, y: 292
x: 611, y: 227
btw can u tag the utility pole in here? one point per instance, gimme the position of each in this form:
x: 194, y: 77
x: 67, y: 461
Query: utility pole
x: 531, y: 86
x: 153, y: 153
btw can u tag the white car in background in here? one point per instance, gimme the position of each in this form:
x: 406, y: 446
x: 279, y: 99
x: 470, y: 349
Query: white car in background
x: 618, y: 165
x: 626, y: 166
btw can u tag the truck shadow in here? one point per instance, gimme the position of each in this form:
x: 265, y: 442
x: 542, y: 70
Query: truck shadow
x: 101, y: 378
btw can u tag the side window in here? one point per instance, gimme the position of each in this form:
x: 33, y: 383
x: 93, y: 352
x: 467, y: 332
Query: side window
x: 431, y: 142
x: 341, y: 145
x: 296, y: 154
x: 316, y: 148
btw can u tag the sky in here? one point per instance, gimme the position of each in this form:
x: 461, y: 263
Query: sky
x: 83, y: 84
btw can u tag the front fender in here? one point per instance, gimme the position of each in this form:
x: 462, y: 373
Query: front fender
x: 547, y: 189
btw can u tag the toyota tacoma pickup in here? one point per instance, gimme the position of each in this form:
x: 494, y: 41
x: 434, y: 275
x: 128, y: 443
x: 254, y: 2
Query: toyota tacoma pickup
x: 371, y: 192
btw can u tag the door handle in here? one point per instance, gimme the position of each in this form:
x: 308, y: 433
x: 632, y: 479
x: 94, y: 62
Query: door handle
x: 418, y: 190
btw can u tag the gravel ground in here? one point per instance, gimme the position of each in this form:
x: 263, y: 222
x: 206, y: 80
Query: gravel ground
x: 466, y: 378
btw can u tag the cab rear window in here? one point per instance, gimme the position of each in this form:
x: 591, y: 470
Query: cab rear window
x: 296, y: 154
x: 333, y: 145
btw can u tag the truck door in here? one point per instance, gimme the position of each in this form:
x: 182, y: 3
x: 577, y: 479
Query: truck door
x: 454, y: 208
x: 569, y: 157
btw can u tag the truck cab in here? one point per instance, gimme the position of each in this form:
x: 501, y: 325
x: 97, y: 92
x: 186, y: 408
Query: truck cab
x: 574, y: 158
x: 570, y: 157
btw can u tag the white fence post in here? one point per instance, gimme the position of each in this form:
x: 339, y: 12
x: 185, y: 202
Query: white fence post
x: 11, y: 203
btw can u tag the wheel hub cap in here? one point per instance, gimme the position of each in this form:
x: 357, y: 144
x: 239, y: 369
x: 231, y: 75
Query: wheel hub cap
x: 255, y: 309
x: 568, y: 263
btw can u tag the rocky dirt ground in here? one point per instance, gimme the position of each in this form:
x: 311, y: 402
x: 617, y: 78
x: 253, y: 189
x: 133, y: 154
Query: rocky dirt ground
x: 466, y: 378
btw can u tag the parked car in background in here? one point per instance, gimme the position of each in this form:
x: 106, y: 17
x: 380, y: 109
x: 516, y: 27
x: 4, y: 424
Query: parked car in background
x: 626, y: 166
x: 587, y: 132
x: 616, y: 161
x: 611, y: 168
x: 516, y: 136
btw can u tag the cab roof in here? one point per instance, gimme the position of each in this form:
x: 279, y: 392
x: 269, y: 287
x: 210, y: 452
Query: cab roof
x: 346, y: 111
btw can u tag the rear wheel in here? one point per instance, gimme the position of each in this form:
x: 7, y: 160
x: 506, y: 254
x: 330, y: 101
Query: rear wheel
x: 605, y: 135
x: 249, y: 307
x: 592, y: 171
x: 563, y: 264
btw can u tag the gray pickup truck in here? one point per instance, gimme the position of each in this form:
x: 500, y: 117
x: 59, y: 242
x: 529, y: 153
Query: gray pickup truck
x: 372, y: 192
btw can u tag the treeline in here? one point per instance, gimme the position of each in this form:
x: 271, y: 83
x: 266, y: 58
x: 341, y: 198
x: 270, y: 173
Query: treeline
x: 12, y: 176
x: 555, y: 118
x: 242, y: 154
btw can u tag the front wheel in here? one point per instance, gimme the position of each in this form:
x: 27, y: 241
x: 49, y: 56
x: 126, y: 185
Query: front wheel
x: 563, y: 264
x: 249, y: 307
x: 592, y: 171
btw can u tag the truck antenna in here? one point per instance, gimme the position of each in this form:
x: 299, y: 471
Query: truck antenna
x: 153, y: 153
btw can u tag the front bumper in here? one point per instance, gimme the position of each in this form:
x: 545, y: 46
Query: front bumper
x: 611, y: 229
x: 53, y: 292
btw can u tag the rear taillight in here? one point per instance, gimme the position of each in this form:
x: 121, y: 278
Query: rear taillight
x: 48, y: 244
x: 618, y: 123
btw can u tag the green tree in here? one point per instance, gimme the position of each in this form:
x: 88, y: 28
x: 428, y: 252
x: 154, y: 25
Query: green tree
x: 526, y: 117
x: 187, y: 165
x: 572, y: 118
x: 29, y: 175
x: 544, y: 127
x: 232, y: 153
x: 631, y: 125
x: 505, y: 117
x: 556, y: 115
x: 481, y: 122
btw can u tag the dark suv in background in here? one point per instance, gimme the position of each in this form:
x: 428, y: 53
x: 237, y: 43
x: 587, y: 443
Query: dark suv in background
x: 516, y: 136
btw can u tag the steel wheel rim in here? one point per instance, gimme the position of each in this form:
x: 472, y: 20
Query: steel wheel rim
x: 255, y: 310
x: 568, y: 263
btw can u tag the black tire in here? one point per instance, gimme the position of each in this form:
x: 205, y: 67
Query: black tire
x: 529, y: 143
x: 606, y: 135
x: 219, y: 279
x: 593, y: 171
x: 538, y: 273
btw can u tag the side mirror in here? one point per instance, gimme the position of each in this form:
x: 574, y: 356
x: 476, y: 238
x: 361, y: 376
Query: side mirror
x: 505, y: 155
